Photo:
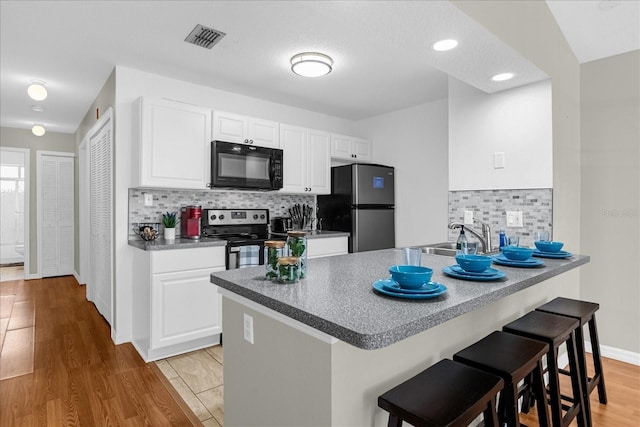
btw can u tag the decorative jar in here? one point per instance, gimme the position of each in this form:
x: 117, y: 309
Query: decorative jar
x: 273, y: 249
x: 297, y: 244
x: 288, y: 269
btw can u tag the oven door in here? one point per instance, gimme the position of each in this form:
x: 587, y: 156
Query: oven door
x: 245, y: 166
x: 245, y: 254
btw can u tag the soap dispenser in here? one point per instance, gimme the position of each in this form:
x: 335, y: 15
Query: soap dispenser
x: 503, y: 238
x: 462, y: 239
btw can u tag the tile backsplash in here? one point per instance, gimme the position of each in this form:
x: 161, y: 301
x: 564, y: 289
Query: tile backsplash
x: 173, y: 200
x: 490, y: 206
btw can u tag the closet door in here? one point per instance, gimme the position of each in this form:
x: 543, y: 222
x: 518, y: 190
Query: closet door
x: 55, y: 214
x: 100, y: 256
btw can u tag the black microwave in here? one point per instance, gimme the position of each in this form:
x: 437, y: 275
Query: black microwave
x: 245, y: 166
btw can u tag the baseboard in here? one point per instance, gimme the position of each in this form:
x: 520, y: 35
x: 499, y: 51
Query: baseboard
x: 35, y: 276
x: 77, y: 276
x: 616, y: 354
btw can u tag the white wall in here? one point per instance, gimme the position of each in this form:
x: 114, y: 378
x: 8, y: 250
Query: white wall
x: 131, y: 84
x: 516, y: 122
x: 414, y: 141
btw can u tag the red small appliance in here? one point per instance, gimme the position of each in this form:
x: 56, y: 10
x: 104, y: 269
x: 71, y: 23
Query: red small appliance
x: 190, y: 222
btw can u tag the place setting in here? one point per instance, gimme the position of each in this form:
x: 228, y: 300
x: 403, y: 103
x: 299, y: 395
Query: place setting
x: 546, y: 248
x: 471, y: 266
x: 513, y: 255
x: 410, y: 280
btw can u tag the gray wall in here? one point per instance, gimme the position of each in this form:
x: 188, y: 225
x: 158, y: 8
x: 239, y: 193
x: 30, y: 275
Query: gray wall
x: 50, y: 141
x: 610, y: 199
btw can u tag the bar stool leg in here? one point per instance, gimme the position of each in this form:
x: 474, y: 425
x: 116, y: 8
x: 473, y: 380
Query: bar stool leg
x: 490, y: 416
x: 574, y: 365
x: 539, y: 390
x: 394, y: 421
x: 554, y: 388
x: 597, y: 361
x: 582, y: 365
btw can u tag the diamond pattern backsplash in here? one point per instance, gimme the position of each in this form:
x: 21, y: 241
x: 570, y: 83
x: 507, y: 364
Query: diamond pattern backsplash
x: 173, y: 200
x: 490, y: 206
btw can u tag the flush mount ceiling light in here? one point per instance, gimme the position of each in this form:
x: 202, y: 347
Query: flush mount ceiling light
x: 311, y: 64
x: 502, y: 77
x: 444, y: 45
x: 37, y: 91
x: 38, y: 130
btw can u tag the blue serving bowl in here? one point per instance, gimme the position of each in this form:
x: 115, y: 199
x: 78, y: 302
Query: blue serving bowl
x: 517, y: 253
x: 550, y: 247
x: 410, y: 276
x: 473, y: 263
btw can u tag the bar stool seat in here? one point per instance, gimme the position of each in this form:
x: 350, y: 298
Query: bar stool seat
x: 513, y: 358
x: 446, y: 394
x: 585, y: 313
x: 556, y: 330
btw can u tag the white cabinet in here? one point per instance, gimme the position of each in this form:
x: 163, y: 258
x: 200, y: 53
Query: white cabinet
x: 176, y: 307
x: 307, y: 160
x: 232, y: 127
x: 173, y: 148
x: 351, y: 148
x: 327, y: 246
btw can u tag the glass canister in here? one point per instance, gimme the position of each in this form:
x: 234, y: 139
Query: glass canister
x: 288, y: 269
x: 297, y: 244
x: 273, y: 249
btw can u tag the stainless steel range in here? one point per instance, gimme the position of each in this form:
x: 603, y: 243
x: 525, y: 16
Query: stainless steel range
x: 245, y: 231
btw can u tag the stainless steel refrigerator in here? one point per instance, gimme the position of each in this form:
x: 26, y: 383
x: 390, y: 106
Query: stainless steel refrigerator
x: 362, y: 203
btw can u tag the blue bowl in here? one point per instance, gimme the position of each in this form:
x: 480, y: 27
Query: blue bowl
x: 549, y: 247
x: 473, y: 263
x: 410, y: 276
x: 517, y: 253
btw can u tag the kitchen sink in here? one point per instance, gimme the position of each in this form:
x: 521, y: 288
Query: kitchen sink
x: 447, y: 249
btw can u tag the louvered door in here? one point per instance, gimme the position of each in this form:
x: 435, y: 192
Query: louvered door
x: 55, y: 214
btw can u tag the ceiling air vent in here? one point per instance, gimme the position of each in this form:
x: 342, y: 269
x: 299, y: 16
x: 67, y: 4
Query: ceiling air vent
x: 204, y: 36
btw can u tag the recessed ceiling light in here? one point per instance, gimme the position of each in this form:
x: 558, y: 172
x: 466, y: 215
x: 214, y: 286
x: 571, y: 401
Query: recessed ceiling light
x: 311, y: 64
x: 444, y: 45
x: 37, y: 91
x: 37, y: 108
x: 502, y: 77
x: 38, y: 130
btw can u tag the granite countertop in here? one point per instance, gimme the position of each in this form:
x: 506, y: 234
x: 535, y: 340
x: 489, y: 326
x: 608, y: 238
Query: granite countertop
x: 161, y: 244
x: 337, y: 297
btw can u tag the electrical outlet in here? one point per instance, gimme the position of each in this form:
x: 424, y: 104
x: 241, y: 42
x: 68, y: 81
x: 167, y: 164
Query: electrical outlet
x: 498, y: 160
x: 468, y: 217
x: 148, y: 199
x: 248, y: 328
x: 514, y: 219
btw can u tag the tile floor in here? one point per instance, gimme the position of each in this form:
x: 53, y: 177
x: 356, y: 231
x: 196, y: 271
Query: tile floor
x: 17, y: 332
x: 197, y: 377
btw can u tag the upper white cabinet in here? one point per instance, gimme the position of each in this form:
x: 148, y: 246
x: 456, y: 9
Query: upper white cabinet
x: 232, y: 127
x: 173, y: 149
x: 307, y: 160
x: 350, y: 148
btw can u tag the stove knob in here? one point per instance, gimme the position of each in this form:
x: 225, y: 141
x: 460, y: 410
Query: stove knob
x: 213, y: 217
x: 255, y: 216
x: 262, y: 216
x: 221, y: 217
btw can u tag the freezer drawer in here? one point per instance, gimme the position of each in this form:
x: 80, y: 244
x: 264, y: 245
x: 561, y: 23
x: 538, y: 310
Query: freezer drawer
x: 372, y: 229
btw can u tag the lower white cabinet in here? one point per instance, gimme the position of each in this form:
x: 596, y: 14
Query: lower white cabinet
x: 176, y: 307
x: 327, y: 246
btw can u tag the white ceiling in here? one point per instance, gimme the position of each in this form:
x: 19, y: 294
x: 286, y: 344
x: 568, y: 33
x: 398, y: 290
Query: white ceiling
x: 381, y: 50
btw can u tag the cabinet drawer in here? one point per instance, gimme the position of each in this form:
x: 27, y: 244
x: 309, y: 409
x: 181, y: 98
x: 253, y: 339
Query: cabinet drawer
x: 188, y: 259
x: 327, y: 246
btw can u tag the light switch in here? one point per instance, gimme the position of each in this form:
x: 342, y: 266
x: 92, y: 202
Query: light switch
x: 148, y: 199
x: 514, y: 219
x: 498, y: 160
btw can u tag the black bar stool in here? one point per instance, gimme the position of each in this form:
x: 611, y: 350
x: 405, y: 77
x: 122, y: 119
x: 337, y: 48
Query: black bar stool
x: 556, y: 330
x: 446, y: 394
x: 584, y: 312
x: 513, y: 358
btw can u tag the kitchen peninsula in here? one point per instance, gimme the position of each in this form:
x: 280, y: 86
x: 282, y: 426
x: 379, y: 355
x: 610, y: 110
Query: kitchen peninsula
x: 319, y: 352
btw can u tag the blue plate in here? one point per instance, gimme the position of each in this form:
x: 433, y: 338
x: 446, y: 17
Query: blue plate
x: 557, y: 255
x: 466, y: 276
x: 393, y: 286
x: 379, y: 286
x: 489, y: 272
x: 502, y: 260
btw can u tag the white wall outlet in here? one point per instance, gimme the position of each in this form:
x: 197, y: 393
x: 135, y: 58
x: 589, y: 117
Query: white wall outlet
x: 498, y: 160
x: 468, y: 217
x: 514, y: 219
x: 148, y: 199
x: 248, y: 328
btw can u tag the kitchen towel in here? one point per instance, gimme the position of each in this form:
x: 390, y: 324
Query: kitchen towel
x: 249, y: 256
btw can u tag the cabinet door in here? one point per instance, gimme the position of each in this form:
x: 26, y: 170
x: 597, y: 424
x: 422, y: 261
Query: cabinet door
x: 292, y: 142
x: 318, y: 162
x: 327, y: 246
x: 341, y: 147
x: 175, y: 145
x: 361, y: 149
x: 264, y: 133
x: 230, y: 127
x: 185, y: 306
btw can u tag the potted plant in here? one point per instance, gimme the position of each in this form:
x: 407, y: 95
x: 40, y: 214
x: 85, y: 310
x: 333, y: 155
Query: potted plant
x: 169, y: 221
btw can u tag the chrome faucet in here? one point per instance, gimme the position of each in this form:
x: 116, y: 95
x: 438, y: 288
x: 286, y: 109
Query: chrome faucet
x: 484, y: 237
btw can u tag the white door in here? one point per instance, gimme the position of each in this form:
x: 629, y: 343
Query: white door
x: 55, y: 213
x: 99, y: 285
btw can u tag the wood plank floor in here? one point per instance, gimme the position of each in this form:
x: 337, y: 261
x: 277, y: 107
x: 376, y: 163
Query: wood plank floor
x: 62, y: 368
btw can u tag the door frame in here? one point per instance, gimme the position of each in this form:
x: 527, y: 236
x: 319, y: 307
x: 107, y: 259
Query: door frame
x: 26, y: 152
